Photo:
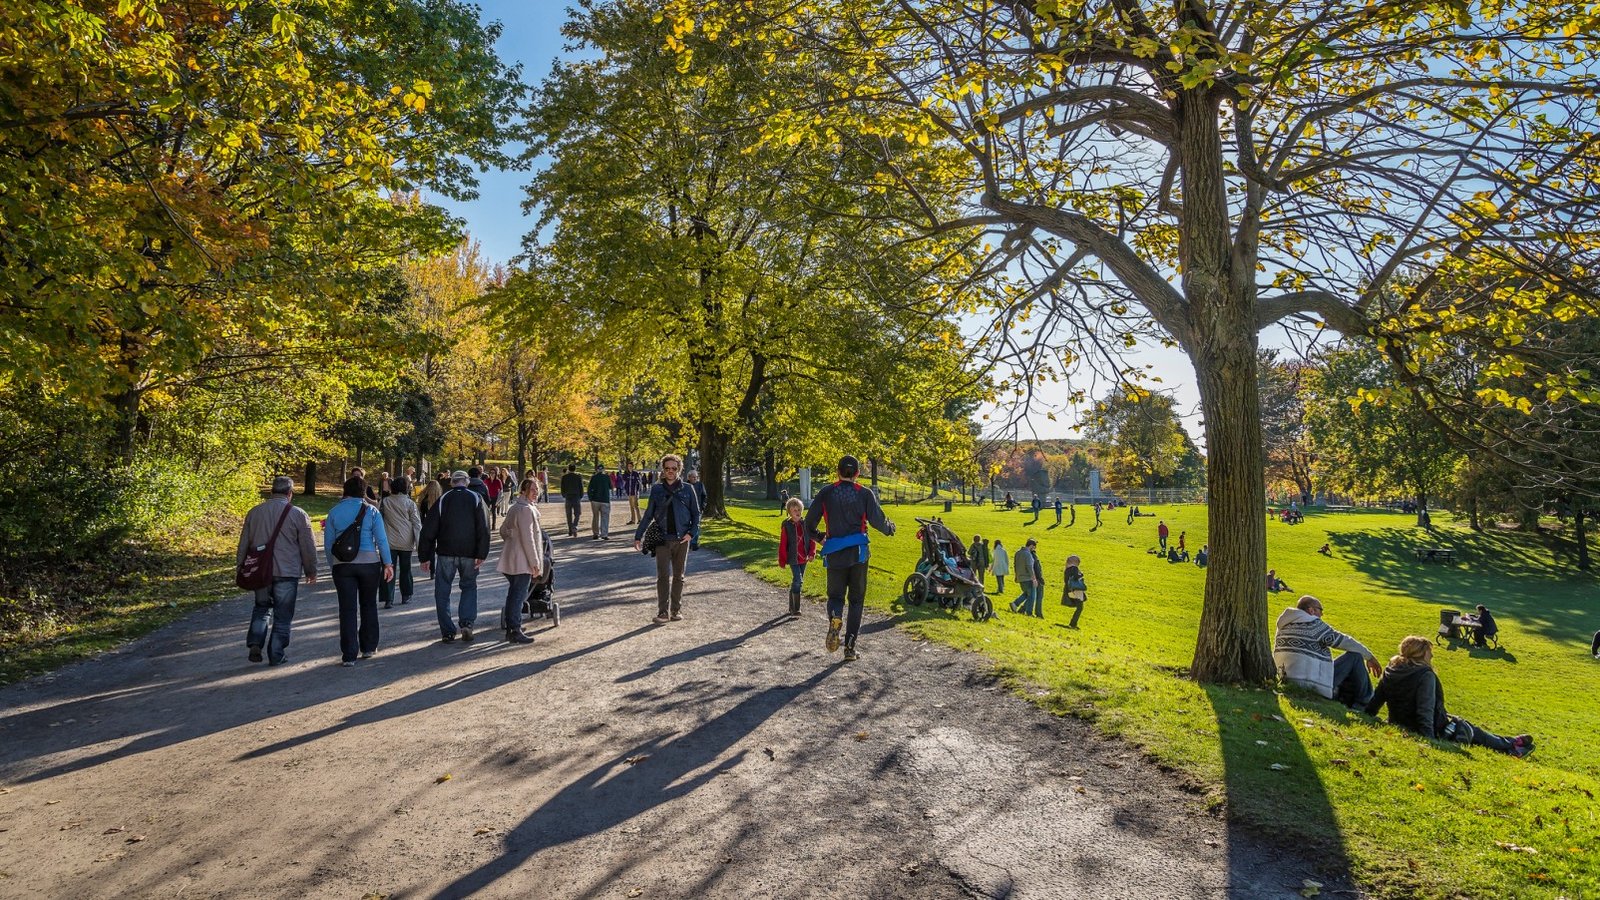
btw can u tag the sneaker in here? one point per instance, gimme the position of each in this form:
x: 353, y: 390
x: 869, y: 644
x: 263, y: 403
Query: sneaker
x: 277, y: 662
x: 676, y: 617
x: 835, y: 625
x: 517, y: 637
x: 255, y: 654
x: 388, y: 605
x: 448, y: 638
x: 1521, y: 745
x: 850, y: 653
x: 367, y: 655
x: 404, y: 600
x: 662, y: 619
x: 348, y: 664
x: 466, y: 632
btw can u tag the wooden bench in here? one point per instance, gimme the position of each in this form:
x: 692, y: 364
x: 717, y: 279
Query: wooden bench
x: 1436, y: 554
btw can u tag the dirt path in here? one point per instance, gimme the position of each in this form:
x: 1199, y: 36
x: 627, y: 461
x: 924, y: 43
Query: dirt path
x: 725, y: 756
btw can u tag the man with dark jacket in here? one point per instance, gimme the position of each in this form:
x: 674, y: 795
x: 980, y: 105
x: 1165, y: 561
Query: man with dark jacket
x: 600, y: 504
x: 572, y: 494
x: 476, y: 483
x: 455, y: 540
x: 294, y: 553
x: 849, y: 508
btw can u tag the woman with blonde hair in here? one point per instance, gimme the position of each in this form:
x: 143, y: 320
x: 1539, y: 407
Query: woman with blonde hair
x: 1416, y: 702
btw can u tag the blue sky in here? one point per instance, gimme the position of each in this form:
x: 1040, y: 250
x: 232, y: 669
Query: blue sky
x: 532, y: 36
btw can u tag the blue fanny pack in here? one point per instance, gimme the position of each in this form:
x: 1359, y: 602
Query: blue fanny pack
x: 835, y: 544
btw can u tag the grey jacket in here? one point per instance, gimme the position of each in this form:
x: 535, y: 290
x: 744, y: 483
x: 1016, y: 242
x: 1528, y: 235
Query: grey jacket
x: 402, y: 520
x: 295, y: 554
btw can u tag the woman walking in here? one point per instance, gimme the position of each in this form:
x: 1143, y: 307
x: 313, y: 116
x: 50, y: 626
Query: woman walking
x: 360, y: 563
x: 431, y: 494
x: 1002, y: 565
x: 402, y: 522
x: 1074, y: 589
x: 494, y: 484
x: 521, y: 558
x: 795, y: 549
x: 675, y: 510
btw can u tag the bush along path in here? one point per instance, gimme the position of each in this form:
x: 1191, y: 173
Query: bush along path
x: 726, y: 755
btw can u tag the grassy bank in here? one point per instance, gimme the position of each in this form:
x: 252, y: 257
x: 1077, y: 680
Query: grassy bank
x: 1409, y: 817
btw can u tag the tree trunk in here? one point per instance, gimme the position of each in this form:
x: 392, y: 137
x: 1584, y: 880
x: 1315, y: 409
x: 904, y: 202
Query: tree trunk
x: 769, y: 469
x: 1582, y: 535
x: 872, y: 467
x: 1220, y: 336
x: 713, y: 454
x: 1472, y: 510
x: 311, y: 478
x: 1422, y: 509
x: 123, y: 441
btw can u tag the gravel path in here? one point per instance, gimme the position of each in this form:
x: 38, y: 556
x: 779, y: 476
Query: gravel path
x: 725, y: 755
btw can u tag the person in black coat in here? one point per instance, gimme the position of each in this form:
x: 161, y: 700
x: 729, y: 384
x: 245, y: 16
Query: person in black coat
x: 455, y: 541
x: 1486, y: 627
x: 849, y: 509
x: 1415, y: 697
x: 675, y: 511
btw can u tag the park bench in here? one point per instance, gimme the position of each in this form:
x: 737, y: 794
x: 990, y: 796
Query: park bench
x: 1436, y: 554
x: 1339, y: 508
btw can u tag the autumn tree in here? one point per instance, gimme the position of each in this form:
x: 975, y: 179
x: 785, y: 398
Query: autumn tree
x: 1201, y: 171
x: 1140, y: 436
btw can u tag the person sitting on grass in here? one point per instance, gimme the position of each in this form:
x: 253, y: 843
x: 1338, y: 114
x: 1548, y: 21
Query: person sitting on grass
x: 1274, y: 583
x: 1415, y: 697
x: 1203, y: 558
x: 1302, y: 650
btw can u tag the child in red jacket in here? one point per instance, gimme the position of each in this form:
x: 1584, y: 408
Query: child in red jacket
x: 795, y: 549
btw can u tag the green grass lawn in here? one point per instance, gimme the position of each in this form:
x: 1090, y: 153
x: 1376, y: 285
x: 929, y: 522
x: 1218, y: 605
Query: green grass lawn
x: 1410, y: 817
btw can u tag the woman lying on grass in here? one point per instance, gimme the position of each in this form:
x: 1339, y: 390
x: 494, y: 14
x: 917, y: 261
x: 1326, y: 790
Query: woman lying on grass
x: 1416, y: 702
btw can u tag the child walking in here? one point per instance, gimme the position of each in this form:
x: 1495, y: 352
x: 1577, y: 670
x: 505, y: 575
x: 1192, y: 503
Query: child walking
x: 1074, y: 589
x: 795, y: 549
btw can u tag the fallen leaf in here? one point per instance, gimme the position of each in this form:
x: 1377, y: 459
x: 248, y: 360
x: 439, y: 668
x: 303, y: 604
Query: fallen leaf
x: 1513, y: 848
x: 1080, y: 789
x: 5, y: 790
x: 1339, y: 762
x: 115, y: 829
x: 861, y: 735
x: 482, y: 830
x: 1278, y: 767
x: 135, y: 839
x: 909, y: 868
x: 726, y: 860
x: 636, y: 892
x: 443, y: 778
x: 1310, y: 888
x: 1213, y: 842
x: 635, y: 760
x: 1261, y: 743
x: 769, y: 753
x: 71, y: 825
x: 374, y: 895
x: 51, y: 802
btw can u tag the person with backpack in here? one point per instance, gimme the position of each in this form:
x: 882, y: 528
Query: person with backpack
x: 795, y: 549
x: 1074, y: 589
x: 521, y: 559
x: 454, y: 543
x: 1415, y: 697
x: 572, y: 495
x: 277, y: 534
x: 357, y: 545
x: 848, y: 508
x: 675, y: 512
x: 600, y: 504
x: 402, y: 521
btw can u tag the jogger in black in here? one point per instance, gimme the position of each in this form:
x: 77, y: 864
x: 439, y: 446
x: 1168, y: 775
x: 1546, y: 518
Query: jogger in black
x: 849, y: 508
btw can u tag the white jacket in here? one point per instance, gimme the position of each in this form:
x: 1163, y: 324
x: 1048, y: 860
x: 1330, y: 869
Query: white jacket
x: 1002, y: 563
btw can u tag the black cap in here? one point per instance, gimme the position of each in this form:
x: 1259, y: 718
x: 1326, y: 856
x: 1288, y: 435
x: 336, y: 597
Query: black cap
x: 849, y: 466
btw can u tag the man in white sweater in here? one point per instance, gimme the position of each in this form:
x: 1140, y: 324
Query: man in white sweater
x: 1302, y: 650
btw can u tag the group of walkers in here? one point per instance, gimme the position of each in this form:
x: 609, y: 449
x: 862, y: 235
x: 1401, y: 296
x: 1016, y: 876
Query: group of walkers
x: 992, y: 559
x: 602, y: 487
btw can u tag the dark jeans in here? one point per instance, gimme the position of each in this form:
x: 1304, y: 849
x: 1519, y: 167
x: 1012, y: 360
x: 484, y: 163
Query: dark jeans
x: 445, y: 569
x: 357, y: 584
x: 851, y: 580
x: 1351, y: 686
x: 1076, y: 612
x: 574, y: 512
x: 402, y: 577
x: 1485, y: 738
x: 797, y: 577
x: 671, y: 559
x: 1594, y: 648
x: 274, y: 612
x: 517, y: 589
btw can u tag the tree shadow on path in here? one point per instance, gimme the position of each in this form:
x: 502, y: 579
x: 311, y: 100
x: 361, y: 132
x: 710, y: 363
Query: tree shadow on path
x: 708, y: 649
x: 615, y: 791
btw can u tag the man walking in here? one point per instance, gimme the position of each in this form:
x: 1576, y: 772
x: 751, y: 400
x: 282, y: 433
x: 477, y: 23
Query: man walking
x: 572, y: 493
x: 455, y: 541
x: 1058, y: 510
x: 849, y: 508
x: 1097, y: 514
x: 1030, y: 579
x: 1301, y: 650
x: 630, y: 489
x: 600, y: 504
x: 1161, y: 534
x: 476, y: 483
x: 693, y: 480
x: 287, y: 529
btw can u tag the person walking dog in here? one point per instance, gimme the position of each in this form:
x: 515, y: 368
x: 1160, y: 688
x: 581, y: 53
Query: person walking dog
x: 675, y: 511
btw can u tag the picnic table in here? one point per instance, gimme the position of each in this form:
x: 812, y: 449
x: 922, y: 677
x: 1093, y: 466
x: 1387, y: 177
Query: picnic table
x: 1436, y: 554
x: 1463, y: 627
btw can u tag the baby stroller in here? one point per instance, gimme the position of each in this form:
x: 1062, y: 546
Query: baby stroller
x: 944, y: 574
x: 541, y: 600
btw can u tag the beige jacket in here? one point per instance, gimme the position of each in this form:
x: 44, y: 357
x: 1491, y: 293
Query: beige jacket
x: 523, y: 550
x: 402, y: 521
x: 295, y: 553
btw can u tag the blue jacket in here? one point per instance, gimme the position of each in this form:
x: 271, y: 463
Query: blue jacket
x: 374, y: 536
x: 686, y: 504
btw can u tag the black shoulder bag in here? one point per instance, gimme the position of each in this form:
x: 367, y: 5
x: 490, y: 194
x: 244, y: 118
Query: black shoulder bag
x: 348, y: 543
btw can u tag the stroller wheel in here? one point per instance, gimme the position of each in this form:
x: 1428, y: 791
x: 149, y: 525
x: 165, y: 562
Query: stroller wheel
x: 982, y: 609
x: 555, y: 614
x: 916, y: 589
